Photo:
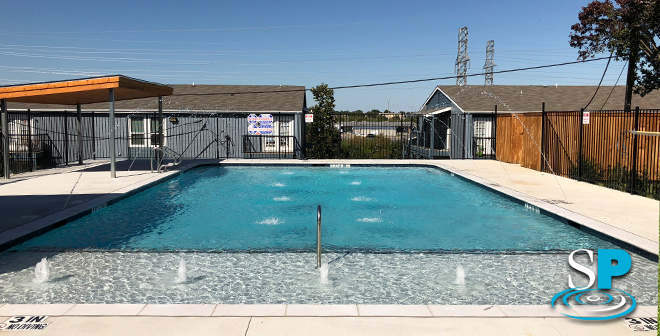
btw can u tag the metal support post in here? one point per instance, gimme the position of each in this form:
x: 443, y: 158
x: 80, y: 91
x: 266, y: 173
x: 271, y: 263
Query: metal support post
x: 633, y: 184
x: 580, y: 145
x: 33, y: 161
x: 111, y: 121
x: 66, y: 139
x: 5, y: 137
x: 160, y: 123
x: 543, y: 117
x: 464, y: 135
x: 432, y: 140
x: 93, y: 137
x: 80, y: 139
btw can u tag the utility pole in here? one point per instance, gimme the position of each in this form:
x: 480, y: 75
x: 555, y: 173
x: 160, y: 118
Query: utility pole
x: 490, y: 62
x: 462, y: 60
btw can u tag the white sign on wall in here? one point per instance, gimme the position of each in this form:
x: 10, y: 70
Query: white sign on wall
x: 309, y: 118
x: 261, y: 124
x: 585, y: 117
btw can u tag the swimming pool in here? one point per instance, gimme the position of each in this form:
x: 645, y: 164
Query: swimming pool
x: 374, y: 209
x: 411, y: 235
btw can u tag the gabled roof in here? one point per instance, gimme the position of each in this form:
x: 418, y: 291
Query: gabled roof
x: 249, y: 98
x: 525, y: 98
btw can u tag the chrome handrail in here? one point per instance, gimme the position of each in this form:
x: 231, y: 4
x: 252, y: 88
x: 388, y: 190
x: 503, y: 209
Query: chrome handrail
x: 165, y: 150
x: 318, y: 236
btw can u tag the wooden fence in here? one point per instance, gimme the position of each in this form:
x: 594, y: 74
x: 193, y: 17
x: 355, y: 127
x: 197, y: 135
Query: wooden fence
x: 603, y: 151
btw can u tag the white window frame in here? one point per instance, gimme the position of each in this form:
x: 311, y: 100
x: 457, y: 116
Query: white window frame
x: 147, y: 133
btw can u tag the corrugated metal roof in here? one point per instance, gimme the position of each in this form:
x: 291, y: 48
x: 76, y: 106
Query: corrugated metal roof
x: 530, y: 97
x: 208, y: 97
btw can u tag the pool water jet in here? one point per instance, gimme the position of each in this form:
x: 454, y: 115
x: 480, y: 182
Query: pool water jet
x: 42, y: 271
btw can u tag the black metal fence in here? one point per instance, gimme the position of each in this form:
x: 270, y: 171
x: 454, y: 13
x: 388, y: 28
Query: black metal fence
x: 45, y: 139
x: 373, y: 136
x: 453, y: 136
x: 616, y: 149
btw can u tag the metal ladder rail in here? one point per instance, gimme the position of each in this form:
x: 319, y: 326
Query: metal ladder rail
x: 318, y: 236
x: 165, y: 150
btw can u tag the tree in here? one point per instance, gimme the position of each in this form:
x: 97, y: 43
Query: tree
x: 628, y: 30
x: 323, y: 138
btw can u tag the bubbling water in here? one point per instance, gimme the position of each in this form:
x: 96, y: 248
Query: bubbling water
x: 325, y: 268
x: 181, y: 276
x: 42, y: 271
x: 460, y: 276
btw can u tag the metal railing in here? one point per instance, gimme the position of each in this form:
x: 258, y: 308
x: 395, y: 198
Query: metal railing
x: 372, y: 136
x: 605, y: 151
x: 159, y: 158
x: 318, y: 236
x: 73, y: 137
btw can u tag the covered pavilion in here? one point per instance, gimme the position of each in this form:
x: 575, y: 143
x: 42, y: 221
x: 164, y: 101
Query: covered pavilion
x: 77, y: 92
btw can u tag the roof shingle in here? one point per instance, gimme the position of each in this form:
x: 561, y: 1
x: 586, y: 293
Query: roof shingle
x: 530, y: 97
x: 209, y: 98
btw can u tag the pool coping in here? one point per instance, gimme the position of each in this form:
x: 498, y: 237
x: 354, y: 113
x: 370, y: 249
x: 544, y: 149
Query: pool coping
x: 642, y: 246
x: 300, y: 310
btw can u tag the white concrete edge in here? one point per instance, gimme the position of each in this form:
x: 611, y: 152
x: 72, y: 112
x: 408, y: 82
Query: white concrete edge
x: 265, y: 310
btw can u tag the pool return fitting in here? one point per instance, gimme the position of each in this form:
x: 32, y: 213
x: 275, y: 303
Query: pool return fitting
x: 318, y: 236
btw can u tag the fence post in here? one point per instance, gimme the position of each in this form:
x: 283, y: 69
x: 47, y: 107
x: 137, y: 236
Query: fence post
x: 93, y: 137
x: 464, y: 135
x: 66, y: 139
x: 494, y: 136
x: 403, y: 148
x: 160, y: 123
x: 543, y: 117
x: 5, y: 137
x: 80, y: 139
x: 33, y: 164
x: 580, y: 146
x: 432, y: 140
x: 633, y: 183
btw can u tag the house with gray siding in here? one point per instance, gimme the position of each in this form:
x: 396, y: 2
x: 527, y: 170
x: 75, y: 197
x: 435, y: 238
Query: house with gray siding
x: 199, y: 121
x: 461, y: 118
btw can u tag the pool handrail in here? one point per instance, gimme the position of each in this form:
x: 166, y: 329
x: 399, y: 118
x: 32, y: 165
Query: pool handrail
x: 165, y: 150
x: 318, y: 236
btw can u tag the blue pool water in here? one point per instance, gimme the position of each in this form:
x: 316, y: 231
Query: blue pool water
x: 274, y: 209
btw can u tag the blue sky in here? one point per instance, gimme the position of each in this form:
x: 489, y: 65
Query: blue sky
x: 294, y: 43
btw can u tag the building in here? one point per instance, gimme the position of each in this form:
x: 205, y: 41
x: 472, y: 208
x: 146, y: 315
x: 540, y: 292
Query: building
x: 461, y: 118
x: 199, y: 121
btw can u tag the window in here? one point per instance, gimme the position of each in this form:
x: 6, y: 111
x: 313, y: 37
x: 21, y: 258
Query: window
x: 284, y: 133
x: 480, y: 129
x: 144, y: 131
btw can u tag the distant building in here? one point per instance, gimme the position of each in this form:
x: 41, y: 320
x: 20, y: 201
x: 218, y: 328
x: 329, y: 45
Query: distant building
x: 461, y: 117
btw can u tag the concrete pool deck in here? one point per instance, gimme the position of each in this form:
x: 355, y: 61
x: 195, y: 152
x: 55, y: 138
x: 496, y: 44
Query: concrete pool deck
x: 34, y: 201
x: 312, y: 320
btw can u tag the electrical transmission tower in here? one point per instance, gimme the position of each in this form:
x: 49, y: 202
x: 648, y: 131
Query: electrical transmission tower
x: 490, y: 62
x: 462, y: 60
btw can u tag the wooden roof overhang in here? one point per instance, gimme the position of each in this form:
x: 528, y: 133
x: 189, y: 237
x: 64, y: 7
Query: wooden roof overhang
x: 84, y: 91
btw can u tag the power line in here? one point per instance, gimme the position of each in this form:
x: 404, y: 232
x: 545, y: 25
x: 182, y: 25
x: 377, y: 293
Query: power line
x: 398, y: 82
x: 601, y: 80
x: 617, y: 82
